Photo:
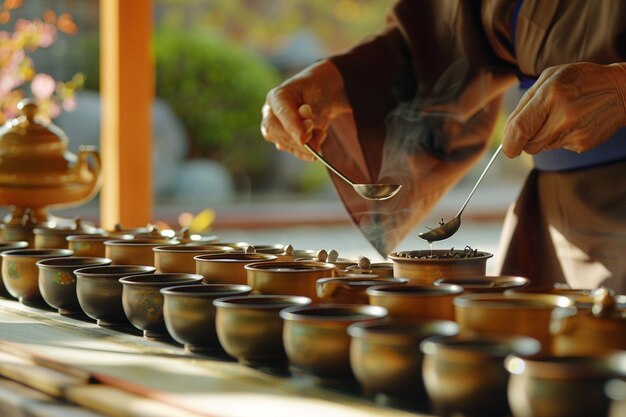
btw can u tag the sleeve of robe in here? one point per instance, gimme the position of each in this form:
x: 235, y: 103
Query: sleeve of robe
x: 425, y: 95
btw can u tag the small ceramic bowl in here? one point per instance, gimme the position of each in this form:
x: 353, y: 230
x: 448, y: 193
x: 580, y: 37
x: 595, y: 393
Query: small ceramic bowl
x: 21, y: 232
x: 288, y: 278
x: 56, y: 237
x: 143, y: 302
x: 135, y: 251
x: 464, y: 375
x: 181, y: 258
x: 57, y: 282
x: 387, y: 361
x: 316, y: 338
x: 21, y: 275
x: 250, y: 328
x: 351, y: 288
x: 426, y: 266
x: 228, y: 268
x: 189, y: 313
x: 87, y: 245
x: 416, y: 301
x: 486, y: 284
x: 516, y: 314
x: 99, y: 291
x: 5, y: 246
x: 564, y: 386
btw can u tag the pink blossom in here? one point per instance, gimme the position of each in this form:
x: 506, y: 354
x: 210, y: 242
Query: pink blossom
x: 47, y: 36
x: 42, y: 86
x: 69, y: 104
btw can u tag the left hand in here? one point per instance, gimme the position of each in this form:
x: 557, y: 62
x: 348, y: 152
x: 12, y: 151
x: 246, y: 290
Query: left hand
x: 573, y: 106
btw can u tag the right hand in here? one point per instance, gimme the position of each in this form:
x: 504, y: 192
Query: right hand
x: 299, y: 110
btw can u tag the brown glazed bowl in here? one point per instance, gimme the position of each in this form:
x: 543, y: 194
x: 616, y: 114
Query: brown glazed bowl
x: 416, y: 301
x: 420, y: 269
x: 87, y: 245
x: 465, y: 375
x: 143, y: 302
x: 99, y: 291
x: 181, y: 258
x: 20, y: 273
x: 56, y: 237
x: 515, y: 314
x: 57, y: 282
x: 486, y: 284
x: 288, y: 278
x: 135, y: 251
x: 387, y: 361
x: 350, y: 289
x: 316, y: 338
x: 189, y: 313
x: 564, y: 386
x: 250, y: 329
x: 5, y: 246
x: 228, y: 268
x: 21, y: 232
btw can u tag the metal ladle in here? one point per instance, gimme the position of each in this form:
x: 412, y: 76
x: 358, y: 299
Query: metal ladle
x: 448, y: 229
x: 367, y: 191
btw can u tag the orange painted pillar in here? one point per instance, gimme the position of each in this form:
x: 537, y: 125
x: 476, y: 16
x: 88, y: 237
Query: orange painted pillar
x: 127, y: 92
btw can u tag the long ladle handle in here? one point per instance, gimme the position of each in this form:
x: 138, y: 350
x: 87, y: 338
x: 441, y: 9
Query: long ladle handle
x: 328, y: 165
x: 493, y: 158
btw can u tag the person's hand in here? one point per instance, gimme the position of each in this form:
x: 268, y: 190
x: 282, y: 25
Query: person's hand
x: 574, y: 106
x: 299, y: 110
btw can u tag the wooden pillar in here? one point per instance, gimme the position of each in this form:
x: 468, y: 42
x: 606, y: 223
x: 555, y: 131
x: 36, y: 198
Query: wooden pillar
x: 127, y: 89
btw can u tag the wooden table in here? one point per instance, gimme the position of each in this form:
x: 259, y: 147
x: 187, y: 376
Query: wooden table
x: 85, y: 370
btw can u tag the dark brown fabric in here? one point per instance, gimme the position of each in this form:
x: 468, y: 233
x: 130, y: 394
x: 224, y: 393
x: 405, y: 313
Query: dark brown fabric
x: 425, y: 93
x: 526, y: 246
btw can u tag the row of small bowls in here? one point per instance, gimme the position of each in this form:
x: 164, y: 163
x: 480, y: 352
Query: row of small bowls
x: 276, y: 305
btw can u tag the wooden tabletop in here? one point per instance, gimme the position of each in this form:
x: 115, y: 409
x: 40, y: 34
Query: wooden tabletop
x: 119, y: 373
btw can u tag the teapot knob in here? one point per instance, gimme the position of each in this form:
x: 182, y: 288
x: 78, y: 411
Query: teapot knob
x: 28, y: 108
x: 603, y: 302
x: 288, y: 250
x: 333, y: 255
x: 250, y: 249
x: 321, y: 255
x: 364, y: 262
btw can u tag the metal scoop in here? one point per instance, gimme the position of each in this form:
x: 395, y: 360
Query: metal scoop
x: 367, y: 191
x: 446, y: 230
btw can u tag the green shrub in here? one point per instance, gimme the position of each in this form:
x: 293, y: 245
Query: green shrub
x: 217, y: 89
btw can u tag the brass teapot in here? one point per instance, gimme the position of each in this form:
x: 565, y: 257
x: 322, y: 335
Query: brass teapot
x: 37, y: 171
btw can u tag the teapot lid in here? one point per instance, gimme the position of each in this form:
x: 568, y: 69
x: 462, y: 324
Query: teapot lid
x: 28, y: 130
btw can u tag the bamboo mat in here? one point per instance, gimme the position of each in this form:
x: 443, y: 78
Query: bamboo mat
x: 119, y: 373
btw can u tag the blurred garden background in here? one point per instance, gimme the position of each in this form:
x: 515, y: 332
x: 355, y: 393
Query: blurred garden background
x: 215, y: 60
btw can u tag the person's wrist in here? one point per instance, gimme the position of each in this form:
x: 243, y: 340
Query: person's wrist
x: 335, y: 86
x: 618, y: 76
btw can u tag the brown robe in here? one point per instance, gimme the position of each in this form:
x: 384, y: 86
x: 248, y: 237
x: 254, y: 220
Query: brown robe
x: 426, y: 91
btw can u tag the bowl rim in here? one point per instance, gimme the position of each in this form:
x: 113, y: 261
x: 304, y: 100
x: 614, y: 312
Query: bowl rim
x: 453, y: 346
x: 38, y: 253
x: 516, y: 282
x: 13, y: 245
x: 200, y: 249
x: 186, y: 290
x: 274, y: 267
x: 394, y: 256
x: 168, y: 279
x: 404, y: 290
x: 54, y: 263
x: 235, y: 257
x: 229, y: 302
x: 91, y: 237
x: 566, y: 367
x: 94, y: 271
x: 141, y: 242
x: 501, y: 301
x: 389, y: 328
x: 297, y: 313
